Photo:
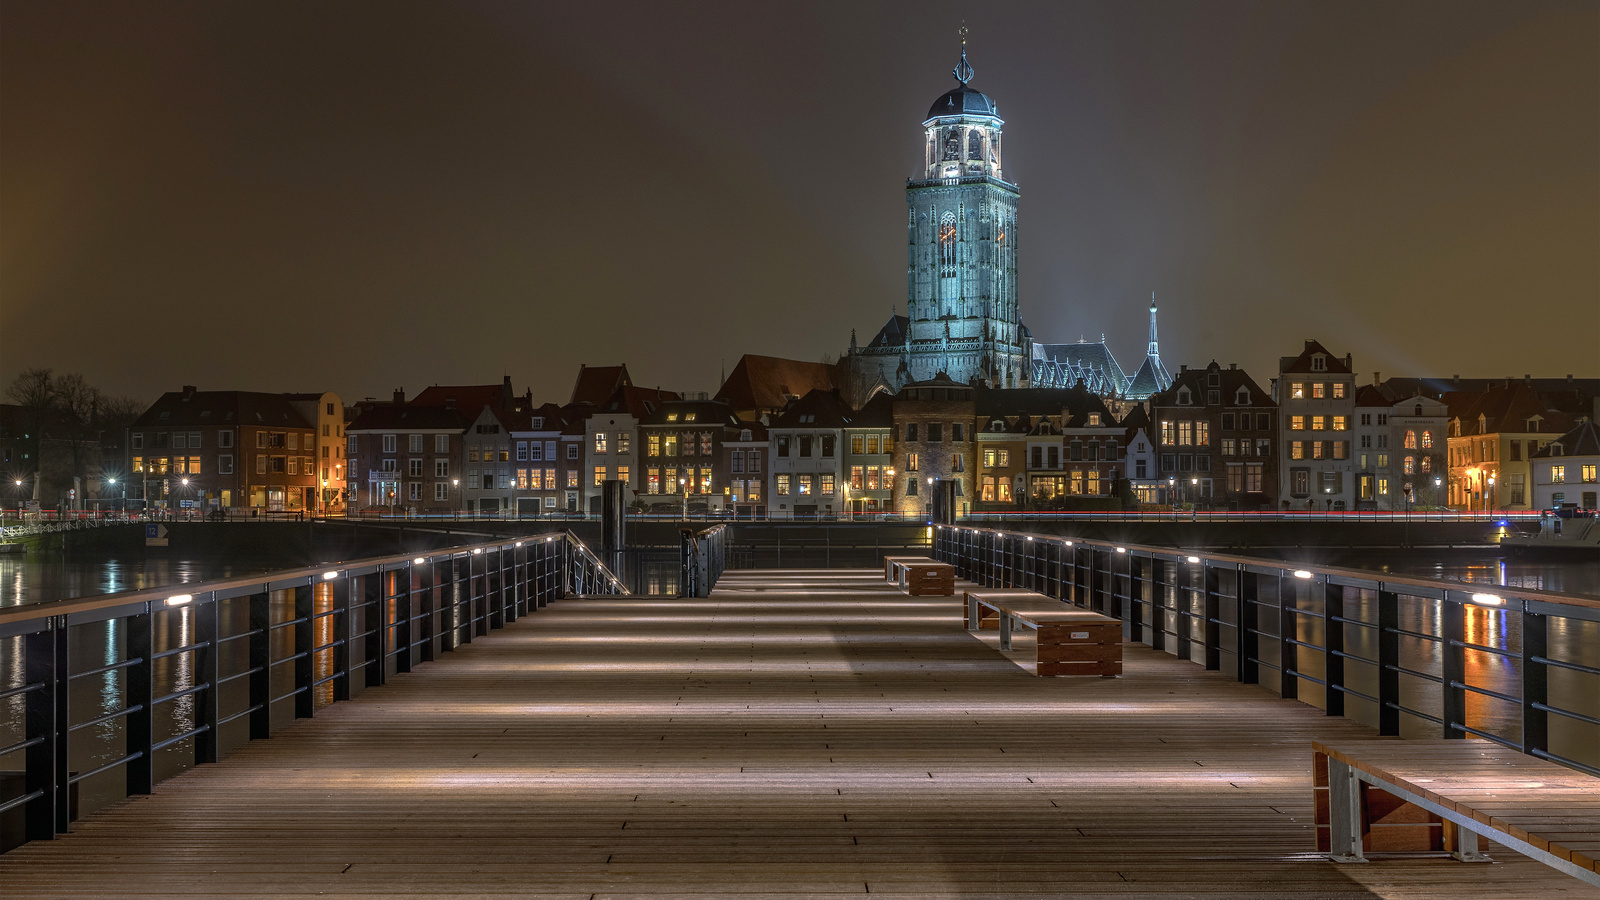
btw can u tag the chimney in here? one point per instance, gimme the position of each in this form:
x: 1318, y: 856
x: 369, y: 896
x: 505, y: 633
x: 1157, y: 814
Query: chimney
x: 188, y: 391
x: 399, y: 395
x: 1232, y: 366
x: 1455, y: 379
x: 1375, y: 381
x: 1182, y: 369
x: 1527, y: 379
x: 1348, y: 364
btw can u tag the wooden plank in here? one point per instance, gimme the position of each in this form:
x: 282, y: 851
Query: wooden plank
x: 805, y: 733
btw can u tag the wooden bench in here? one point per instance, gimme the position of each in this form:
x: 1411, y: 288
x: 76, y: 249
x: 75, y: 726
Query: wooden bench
x: 1450, y: 792
x: 1071, y: 641
x: 922, y: 577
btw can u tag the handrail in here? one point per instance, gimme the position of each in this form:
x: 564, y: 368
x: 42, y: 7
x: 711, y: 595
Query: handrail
x: 1341, y: 572
x: 1253, y: 609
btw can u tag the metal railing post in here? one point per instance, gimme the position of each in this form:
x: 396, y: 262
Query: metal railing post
x: 1211, y: 584
x: 1388, y: 662
x: 1288, y: 655
x: 1453, y: 665
x: 260, y: 663
x: 1332, y: 646
x: 1535, y: 682
x: 305, y: 698
x: 340, y: 614
x: 1249, y: 627
x: 375, y: 589
x: 45, y: 662
x: 139, y: 726
x: 207, y: 665
x: 405, y: 585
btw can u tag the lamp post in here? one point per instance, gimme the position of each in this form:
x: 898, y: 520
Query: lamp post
x: 18, y: 482
x: 1488, y: 497
x: 683, y: 482
x: 1172, y: 491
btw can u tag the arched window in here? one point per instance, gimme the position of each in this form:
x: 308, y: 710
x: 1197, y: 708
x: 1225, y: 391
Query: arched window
x: 1427, y: 464
x: 1411, y: 439
x: 1411, y: 465
x: 1427, y: 441
x: 952, y: 145
x: 947, y: 245
x: 975, y: 145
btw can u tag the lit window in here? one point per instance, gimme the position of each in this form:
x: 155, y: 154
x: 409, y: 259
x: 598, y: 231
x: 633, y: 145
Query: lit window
x: 1589, y: 473
x: 1318, y: 390
x: 804, y: 482
x: 1318, y: 423
x: 1409, y: 467
x: 1297, y: 423
x: 1297, y: 390
x: 600, y: 442
x: 1338, y: 390
x: 1558, y: 474
x: 911, y: 462
x: 1427, y: 440
x: 1411, y: 439
x: 855, y: 477
x: 653, y: 445
x: 826, y: 486
x: 783, y: 483
x: 1340, y: 423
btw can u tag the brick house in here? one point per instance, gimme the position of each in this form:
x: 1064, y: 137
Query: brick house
x: 935, y: 425
x: 1217, y: 436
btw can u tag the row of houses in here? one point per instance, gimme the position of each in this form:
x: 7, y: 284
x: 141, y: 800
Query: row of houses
x: 779, y: 439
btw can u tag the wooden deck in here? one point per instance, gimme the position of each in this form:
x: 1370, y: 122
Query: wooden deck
x: 799, y: 733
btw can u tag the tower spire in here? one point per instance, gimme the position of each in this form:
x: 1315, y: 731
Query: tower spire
x: 963, y: 70
x: 1154, y: 348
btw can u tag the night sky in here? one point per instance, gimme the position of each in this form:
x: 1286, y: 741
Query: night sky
x: 364, y: 196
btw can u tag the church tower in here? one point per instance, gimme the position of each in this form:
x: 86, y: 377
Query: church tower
x: 961, y: 275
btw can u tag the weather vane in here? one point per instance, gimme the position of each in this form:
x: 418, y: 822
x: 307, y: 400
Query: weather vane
x: 963, y: 69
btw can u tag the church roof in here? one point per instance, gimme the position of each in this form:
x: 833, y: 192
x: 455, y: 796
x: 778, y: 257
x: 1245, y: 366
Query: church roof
x: 963, y: 101
x: 892, y: 335
x: 1094, y: 360
x: 1151, y: 378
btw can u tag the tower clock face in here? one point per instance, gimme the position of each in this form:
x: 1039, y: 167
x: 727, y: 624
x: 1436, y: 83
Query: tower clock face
x: 947, y: 234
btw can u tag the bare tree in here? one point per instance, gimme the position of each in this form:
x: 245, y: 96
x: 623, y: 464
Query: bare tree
x: 78, y: 407
x: 34, y: 390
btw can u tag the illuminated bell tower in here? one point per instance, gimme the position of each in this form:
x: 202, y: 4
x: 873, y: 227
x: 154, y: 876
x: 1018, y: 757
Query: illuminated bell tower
x: 962, y: 257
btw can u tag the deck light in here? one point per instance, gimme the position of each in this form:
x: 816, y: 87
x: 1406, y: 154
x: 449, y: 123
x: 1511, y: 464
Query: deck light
x: 329, y: 576
x: 1488, y: 600
x: 1194, y: 559
x: 179, y: 599
x: 1301, y: 573
x: 548, y: 539
x: 476, y: 550
x: 1030, y: 537
x: 1122, y: 549
x: 418, y: 561
x: 519, y: 543
x: 1066, y: 543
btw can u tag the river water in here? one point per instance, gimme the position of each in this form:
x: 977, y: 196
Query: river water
x: 33, y: 580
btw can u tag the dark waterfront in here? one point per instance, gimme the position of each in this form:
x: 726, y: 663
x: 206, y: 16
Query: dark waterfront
x: 43, y: 580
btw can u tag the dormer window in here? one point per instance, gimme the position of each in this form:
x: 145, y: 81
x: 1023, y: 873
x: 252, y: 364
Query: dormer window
x: 745, y: 435
x: 1214, y: 379
x: 672, y: 417
x: 688, y: 417
x: 1183, y: 397
x: 1094, y: 418
x: 1533, y: 423
x: 1242, y: 398
x: 538, y: 423
x: 1319, y: 363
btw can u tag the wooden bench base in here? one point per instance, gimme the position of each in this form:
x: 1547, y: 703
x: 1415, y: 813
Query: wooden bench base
x: 1386, y: 795
x: 1071, y: 641
x: 921, y: 576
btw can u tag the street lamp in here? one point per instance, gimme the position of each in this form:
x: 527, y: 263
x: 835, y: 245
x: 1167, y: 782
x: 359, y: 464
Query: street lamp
x: 1172, y: 490
x: 683, y: 482
x: 1489, y: 498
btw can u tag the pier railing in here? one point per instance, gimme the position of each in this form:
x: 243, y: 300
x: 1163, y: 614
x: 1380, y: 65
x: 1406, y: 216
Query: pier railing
x: 196, y: 668
x: 702, y: 558
x: 1408, y: 656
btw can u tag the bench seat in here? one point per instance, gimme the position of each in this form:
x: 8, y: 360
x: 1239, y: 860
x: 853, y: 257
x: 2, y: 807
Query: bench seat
x: 1070, y: 641
x: 920, y: 575
x: 1465, y: 788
